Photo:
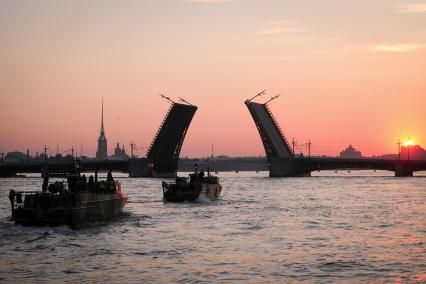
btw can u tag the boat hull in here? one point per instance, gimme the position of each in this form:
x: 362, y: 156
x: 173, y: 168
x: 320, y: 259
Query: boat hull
x: 74, y: 210
x: 97, y: 207
x: 190, y: 192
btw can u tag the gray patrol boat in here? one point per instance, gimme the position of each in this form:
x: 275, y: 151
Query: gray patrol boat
x: 77, y: 204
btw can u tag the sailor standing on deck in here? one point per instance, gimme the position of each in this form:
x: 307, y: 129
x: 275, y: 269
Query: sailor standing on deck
x: 83, y: 182
x: 91, y: 183
x: 12, y: 198
x: 110, y: 181
x: 45, y: 184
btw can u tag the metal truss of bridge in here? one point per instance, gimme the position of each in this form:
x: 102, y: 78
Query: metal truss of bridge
x: 283, y: 163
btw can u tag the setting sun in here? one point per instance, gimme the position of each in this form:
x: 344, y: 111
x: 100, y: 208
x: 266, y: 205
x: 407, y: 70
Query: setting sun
x: 408, y: 143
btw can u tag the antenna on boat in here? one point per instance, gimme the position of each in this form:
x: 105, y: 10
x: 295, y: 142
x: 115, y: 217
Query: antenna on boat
x: 272, y: 98
x: 132, y: 148
x: 167, y: 98
x: 45, y: 152
x: 182, y: 100
x: 259, y: 94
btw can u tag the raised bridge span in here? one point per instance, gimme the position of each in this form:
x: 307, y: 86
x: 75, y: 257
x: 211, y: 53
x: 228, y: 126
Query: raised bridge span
x: 283, y: 163
x: 161, y: 159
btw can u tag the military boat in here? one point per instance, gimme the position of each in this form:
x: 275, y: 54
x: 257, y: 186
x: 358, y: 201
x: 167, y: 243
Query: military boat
x: 78, y: 204
x: 198, y: 187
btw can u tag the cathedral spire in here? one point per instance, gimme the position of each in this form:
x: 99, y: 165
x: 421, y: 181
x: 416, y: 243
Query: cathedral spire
x: 102, y: 153
x: 102, y: 119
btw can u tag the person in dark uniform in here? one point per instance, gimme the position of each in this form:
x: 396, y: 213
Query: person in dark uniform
x: 110, y: 182
x: 109, y: 176
x: 12, y: 198
x: 91, y: 183
x: 45, y: 184
x: 83, y: 182
x: 201, y: 174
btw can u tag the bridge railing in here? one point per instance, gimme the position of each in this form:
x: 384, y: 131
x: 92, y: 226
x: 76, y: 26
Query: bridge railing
x: 279, y: 129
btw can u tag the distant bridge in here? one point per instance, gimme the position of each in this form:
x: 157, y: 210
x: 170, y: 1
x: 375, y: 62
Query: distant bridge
x: 283, y: 163
x: 65, y: 167
x: 161, y: 161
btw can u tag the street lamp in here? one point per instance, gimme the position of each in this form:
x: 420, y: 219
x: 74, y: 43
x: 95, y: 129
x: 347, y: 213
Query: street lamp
x: 408, y: 148
x: 399, y: 149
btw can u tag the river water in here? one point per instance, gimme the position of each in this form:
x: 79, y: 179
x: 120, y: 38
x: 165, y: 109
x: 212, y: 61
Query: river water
x: 334, y: 227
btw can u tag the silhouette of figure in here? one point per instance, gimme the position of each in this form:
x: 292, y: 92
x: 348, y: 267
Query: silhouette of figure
x: 83, y: 182
x: 45, y: 184
x: 109, y: 176
x: 91, y: 183
x: 201, y: 174
x: 12, y: 198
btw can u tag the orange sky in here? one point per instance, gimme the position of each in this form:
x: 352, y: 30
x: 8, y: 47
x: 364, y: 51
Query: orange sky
x: 348, y: 72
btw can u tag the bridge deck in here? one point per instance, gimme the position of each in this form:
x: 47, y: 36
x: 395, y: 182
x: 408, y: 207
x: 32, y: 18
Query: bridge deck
x: 273, y: 139
x: 304, y: 166
x: 165, y: 148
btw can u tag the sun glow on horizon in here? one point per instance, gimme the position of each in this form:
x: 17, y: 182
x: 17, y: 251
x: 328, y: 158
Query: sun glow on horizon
x: 408, y: 143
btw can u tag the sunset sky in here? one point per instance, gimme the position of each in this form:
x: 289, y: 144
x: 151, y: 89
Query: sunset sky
x: 348, y: 71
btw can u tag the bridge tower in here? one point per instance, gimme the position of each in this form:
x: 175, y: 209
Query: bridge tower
x: 163, y: 153
x: 278, y: 151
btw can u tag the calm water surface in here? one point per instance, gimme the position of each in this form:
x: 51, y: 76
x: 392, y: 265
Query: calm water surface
x: 331, y: 228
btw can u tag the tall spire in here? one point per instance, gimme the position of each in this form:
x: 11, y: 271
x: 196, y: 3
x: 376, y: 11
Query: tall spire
x: 102, y: 119
x: 102, y: 153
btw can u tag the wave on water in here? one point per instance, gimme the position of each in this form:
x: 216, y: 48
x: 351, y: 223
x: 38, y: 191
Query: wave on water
x: 41, y: 237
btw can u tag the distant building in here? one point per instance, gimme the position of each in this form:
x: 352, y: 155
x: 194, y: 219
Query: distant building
x: 102, y: 152
x: 15, y: 156
x: 413, y: 152
x: 350, y: 152
x: 120, y: 153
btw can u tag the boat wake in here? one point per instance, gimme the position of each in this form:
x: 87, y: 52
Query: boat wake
x: 203, y: 199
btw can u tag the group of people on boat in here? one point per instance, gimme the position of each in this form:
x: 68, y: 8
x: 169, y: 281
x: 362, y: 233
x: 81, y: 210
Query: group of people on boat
x: 77, y: 183
x: 200, y: 176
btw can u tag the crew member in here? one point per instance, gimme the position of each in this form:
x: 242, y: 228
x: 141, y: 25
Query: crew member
x: 45, y: 184
x: 109, y: 176
x: 91, y: 183
x: 201, y: 174
x: 110, y: 182
x: 83, y: 182
x: 12, y: 198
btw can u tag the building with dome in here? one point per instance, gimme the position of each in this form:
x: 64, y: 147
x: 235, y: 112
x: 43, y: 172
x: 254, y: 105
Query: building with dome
x: 350, y: 152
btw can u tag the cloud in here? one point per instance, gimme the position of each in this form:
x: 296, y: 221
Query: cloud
x: 280, y: 28
x: 400, y: 47
x: 413, y: 8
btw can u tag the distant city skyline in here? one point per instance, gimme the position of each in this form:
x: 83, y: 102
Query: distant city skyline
x: 349, y: 72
